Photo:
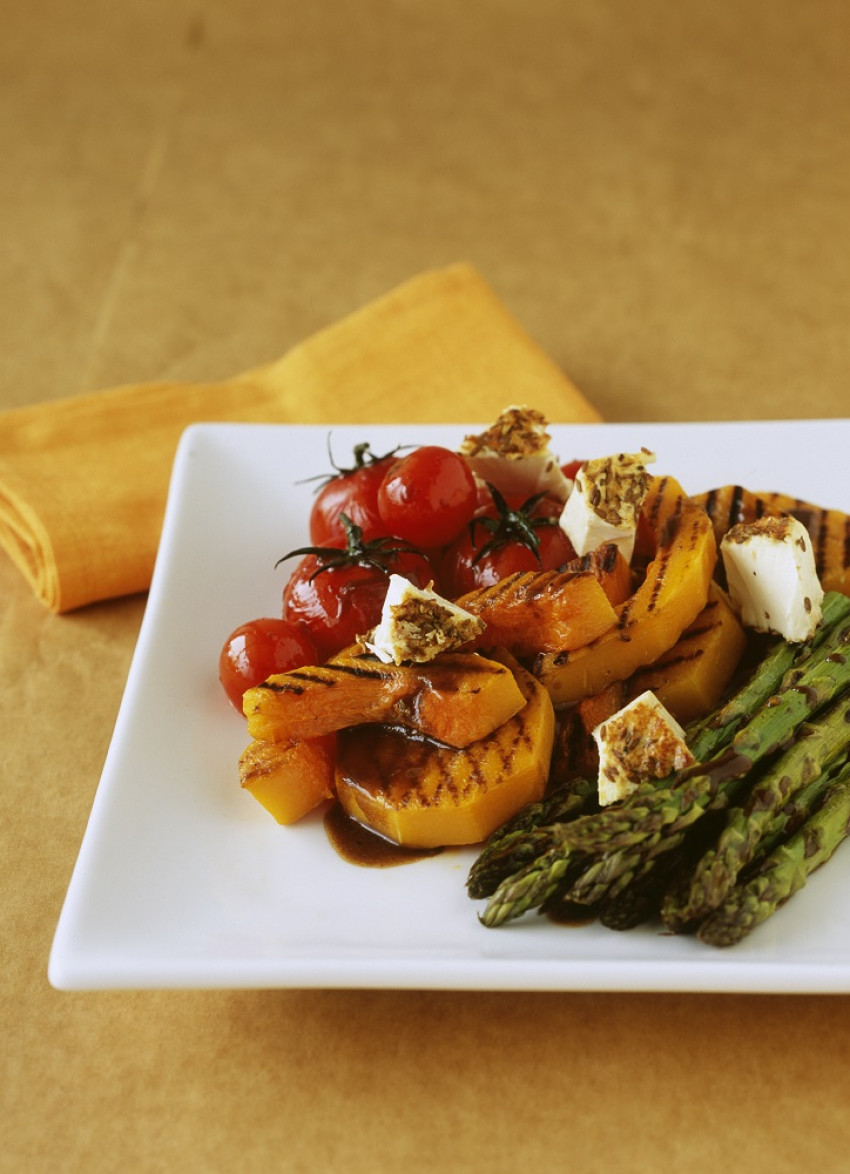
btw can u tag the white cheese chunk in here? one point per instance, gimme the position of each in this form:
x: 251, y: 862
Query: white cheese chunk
x: 417, y: 624
x: 605, y: 502
x: 514, y: 455
x: 773, y: 582
x: 640, y: 743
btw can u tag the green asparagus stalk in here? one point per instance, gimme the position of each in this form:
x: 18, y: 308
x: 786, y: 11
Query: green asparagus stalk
x: 793, y: 815
x: 640, y: 898
x: 520, y: 840
x: 531, y: 886
x: 716, y: 730
x: 816, y: 746
x: 785, y: 871
x: 652, y: 821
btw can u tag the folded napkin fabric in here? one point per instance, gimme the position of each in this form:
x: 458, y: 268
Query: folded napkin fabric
x: 84, y: 480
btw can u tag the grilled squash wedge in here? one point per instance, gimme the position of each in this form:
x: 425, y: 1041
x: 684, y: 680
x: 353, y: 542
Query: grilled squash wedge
x: 457, y: 698
x: 421, y: 795
x: 691, y: 677
x: 547, y: 611
x: 289, y: 779
x: 673, y: 593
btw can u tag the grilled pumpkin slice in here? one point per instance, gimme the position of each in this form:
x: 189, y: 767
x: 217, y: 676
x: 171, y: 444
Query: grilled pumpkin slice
x: 457, y: 698
x: 829, y: 530
x: 691, y: 677
x: 422, y: 795
x: 546, y: 611
x: 673, y: 593
x: 289, y: 779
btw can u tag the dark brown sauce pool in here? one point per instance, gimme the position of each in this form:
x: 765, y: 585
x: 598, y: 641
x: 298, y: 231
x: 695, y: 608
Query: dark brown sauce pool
x: 357, y: 845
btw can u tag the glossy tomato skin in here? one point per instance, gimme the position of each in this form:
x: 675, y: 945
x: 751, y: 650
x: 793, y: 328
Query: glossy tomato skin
x: 462, y: 573
x: 340, y: 604
x: 571, y: 468
x: 428, y: 496
x: 257, y: 649
x: 353, y: 493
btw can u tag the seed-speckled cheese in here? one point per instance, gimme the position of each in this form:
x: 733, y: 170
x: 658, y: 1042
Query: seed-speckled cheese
x: 514, y: 455
x: 639, y: 743
x: 417, y: 624
x: 773, y: 582
x: 605, y: 502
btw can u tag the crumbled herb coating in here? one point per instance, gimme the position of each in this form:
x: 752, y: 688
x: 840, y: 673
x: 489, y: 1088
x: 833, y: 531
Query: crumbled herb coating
x: 425, y: 628
x: 616, y: 486
x: 518, y: 432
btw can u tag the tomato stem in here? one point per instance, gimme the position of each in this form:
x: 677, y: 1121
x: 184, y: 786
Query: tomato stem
x: 375, y: 553
x: 512, y: 525
x: 363, y: 456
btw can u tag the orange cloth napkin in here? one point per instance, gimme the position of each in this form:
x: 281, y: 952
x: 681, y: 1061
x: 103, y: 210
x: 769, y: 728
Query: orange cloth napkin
x: 83, y: 481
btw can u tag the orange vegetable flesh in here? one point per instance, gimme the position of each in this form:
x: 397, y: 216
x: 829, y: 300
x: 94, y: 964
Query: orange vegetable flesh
x: 423, y: 795
x: 548, y: 611
x: 612, y: 570
x: 457, y: 698
x: 692, y: 676
x: 289, y: 779
x: 671, y: 596
x: 541, y: 610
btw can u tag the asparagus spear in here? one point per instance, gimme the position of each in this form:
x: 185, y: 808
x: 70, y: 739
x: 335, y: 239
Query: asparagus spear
x: 531, y: 886
x: 716, y: 730
x: 521, y: 839
x: 785, y: 871
x: 653, y: 821
x: 793, y: 815
x: 816, y: 746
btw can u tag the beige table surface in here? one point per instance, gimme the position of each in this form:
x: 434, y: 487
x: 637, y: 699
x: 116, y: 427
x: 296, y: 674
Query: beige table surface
x: 661, y: 194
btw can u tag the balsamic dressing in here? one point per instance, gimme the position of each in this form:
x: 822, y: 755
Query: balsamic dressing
x: 356, y: 844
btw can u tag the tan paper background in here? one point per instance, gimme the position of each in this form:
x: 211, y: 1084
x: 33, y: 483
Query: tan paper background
x: 659, y: 193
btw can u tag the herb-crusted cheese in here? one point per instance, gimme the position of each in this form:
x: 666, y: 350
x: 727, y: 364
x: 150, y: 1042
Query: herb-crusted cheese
x: 772, y: 579
x: 639, y: 743
x: 417, y: 624
x: 514, y: 455
x: 605, y: 502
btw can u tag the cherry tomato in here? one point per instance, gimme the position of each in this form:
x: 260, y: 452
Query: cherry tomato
x: 464, y: 568
x: 338, y: 591
x: 259, y: 648
x: 339, y: 604
x: 428, y: 496
x: 353, y: 492
x: 504, y: 539
x: 571, y: 468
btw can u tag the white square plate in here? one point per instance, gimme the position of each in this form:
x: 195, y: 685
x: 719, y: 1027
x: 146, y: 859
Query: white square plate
x: 183, y: 880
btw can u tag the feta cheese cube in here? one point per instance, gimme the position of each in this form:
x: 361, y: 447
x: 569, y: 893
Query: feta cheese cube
x: 639, y: 743
x: 514, y: 455
x: 417, y: 624
x: 771, y: 575
x: 605, y: 502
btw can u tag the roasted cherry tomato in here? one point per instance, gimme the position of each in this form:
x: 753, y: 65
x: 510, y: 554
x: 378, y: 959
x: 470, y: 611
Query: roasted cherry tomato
x: 501, y: 543
x: 428, y: 496
x: 259, y: 648
x: 338, y: 592
x: 571, y: 468
x: 353, y: 492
